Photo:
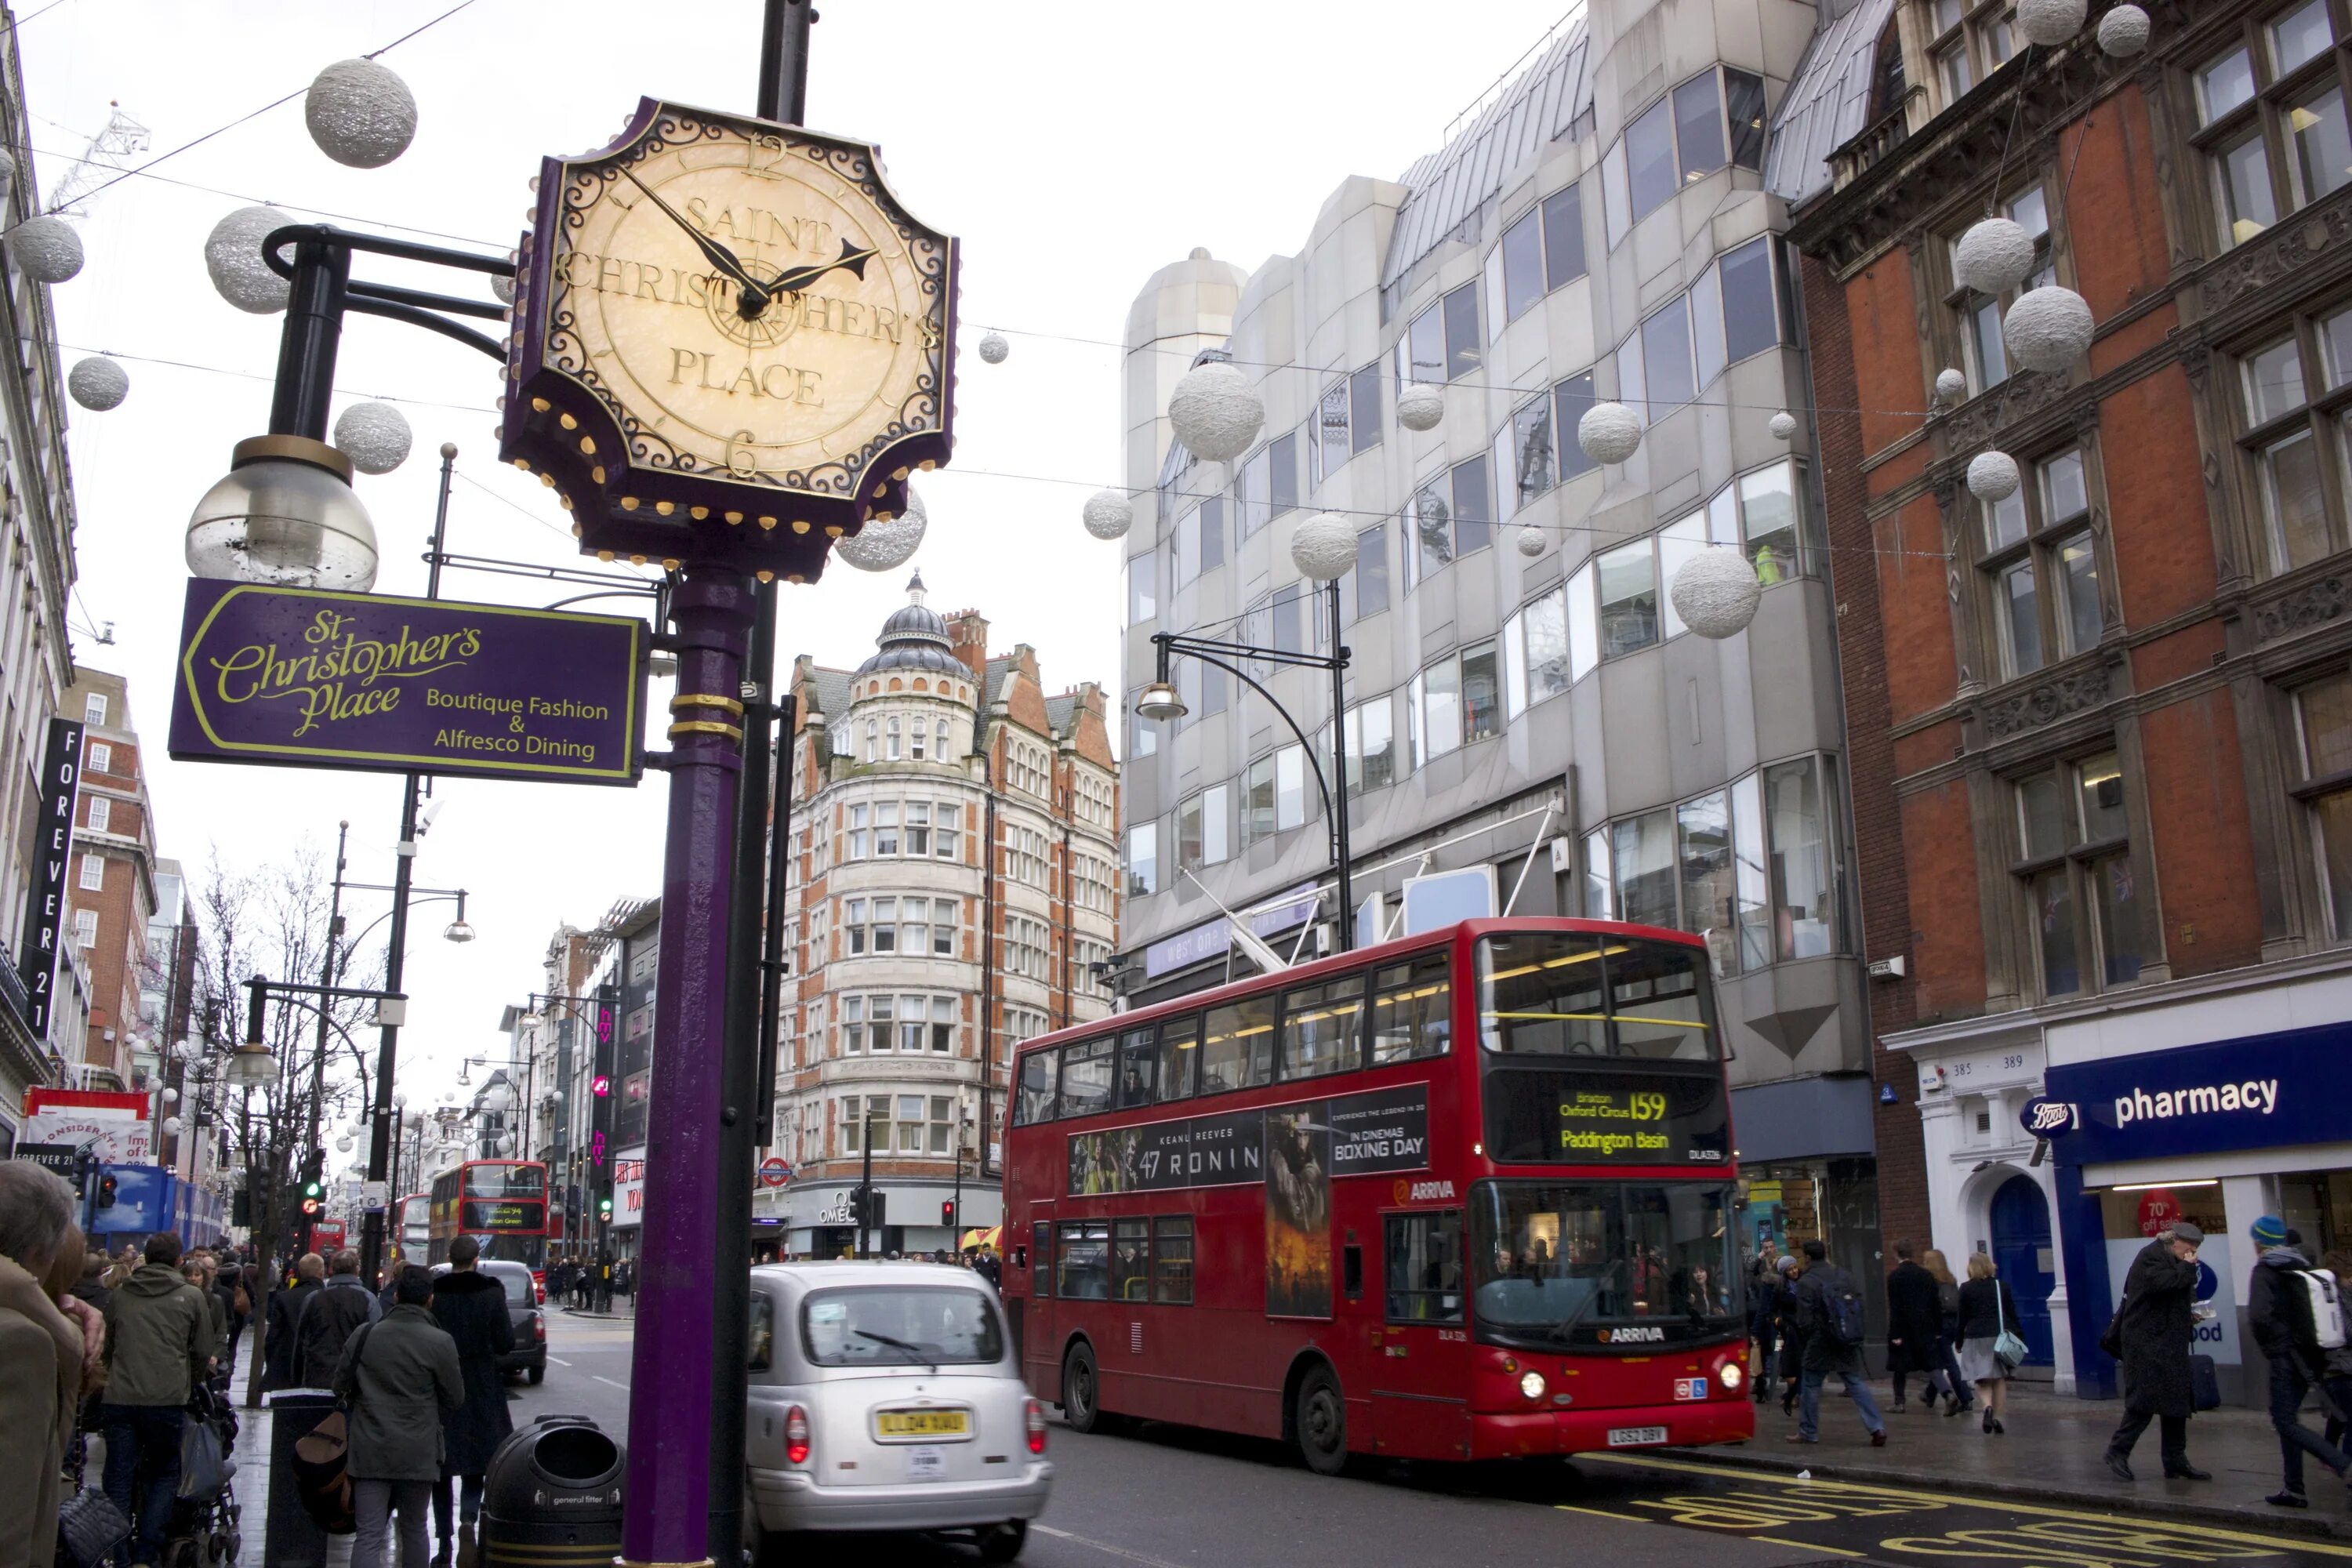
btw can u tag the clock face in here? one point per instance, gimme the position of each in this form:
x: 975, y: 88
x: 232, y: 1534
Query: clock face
x: 748, y: 304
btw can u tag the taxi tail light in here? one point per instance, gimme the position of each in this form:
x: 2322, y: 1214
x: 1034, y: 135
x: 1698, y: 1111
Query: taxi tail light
x: 796, y: 1435
x: 1032, y: 1417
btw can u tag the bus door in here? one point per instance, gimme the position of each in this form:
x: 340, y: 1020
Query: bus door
x: 1419, y: 1384
x: 1031, y: 1312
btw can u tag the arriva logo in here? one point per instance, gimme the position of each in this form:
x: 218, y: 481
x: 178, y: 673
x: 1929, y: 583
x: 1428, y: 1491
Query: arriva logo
x: 1421, y: 1191
x: 1647, y: 1335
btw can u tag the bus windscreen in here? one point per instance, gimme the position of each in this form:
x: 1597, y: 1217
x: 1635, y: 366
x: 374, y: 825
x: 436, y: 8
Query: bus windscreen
x: 1602, y: 1263
x: 1573, y: 993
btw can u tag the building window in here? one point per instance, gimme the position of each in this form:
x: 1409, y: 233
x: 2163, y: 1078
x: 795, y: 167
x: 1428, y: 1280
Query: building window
x: 1677, y: 141
x: 1204, y: 828
x: 1536, y: 653
x: 1371, y: 745
x: 101, y: 812
x: 1142, y: 860
x: 1448, y: 517
x: 1443, y: 343
x: 1028, y: 949
x: 2323, y: 714
x: 1979, y: 316
x: 1541, y: 251
x: 2041, y: 565
x: 84, y: 928
x: 2077, y: 872
x: 1024, y: 856
x: 93, y: 708
x: 918, y: 742
x: 2298, y: 436
x: 1364, y: 409
x: 2271, y: 119
x: 1142, y: 587
x: 93, y: 873
x: 1629, y: 599
x: 1971, y: 39
x: 873, y: 746
x: 1524, y: 465
x: 1458, y: 701
x: 101, y: 757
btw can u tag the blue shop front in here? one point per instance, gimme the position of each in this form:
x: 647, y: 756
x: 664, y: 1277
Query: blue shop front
x: 2217, y: 1133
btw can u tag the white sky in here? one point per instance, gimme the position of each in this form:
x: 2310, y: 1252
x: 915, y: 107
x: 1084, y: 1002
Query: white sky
x: 1074, y: 147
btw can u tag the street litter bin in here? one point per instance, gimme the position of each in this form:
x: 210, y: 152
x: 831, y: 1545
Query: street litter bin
x: 551, y: 1497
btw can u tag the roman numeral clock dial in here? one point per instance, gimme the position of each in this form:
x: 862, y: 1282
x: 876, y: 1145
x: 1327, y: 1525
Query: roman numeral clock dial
x: 732, y: 343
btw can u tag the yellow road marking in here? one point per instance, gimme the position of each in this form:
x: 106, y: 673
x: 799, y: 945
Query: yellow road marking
x: 1805, y: 1546
x: 2199, y: 1528
x: 1603, y: 1513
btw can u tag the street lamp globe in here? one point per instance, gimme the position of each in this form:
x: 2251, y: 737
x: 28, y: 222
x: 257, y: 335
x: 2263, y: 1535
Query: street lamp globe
x: 1159, y: 702
x: 400, y: 1103
x: 250, y: 1065
x: 284, y: 516
x: 458, y: 931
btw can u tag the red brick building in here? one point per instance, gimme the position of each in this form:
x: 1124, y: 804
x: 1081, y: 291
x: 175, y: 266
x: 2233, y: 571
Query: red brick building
x: 2101, y: 729
x: 111, y: 883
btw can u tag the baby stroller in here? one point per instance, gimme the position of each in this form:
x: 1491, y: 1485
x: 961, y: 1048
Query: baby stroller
x: 203, y: 1532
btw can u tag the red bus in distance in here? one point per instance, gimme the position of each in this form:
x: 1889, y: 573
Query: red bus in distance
x: 1464, y: 1195
x: 501, y: 1204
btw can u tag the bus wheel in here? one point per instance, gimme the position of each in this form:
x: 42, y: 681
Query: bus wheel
x: 1081, y: 1390
x: 1320, y: 1419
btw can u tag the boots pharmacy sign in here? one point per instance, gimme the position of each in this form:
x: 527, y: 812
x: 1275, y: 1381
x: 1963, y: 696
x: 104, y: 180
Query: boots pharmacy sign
x: 733, y: 342
x: 362, y: 681
x: 2257, y: 1092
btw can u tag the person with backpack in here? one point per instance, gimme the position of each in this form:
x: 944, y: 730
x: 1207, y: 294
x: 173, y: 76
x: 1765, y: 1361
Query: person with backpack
x: 1987, y: 1316
x: 2151, y: 1334
x: 1829, y: 1312
x: 329, y: 1319
x: 400, y: 1377
x: 2298, y: 1318
x: 2338, y: 1381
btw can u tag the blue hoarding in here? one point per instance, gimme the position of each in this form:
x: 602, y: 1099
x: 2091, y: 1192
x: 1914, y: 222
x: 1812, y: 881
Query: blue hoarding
x: 2257, y: 1092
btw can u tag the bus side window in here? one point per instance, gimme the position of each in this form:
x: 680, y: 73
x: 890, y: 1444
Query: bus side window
x: 1035, y: 1101
x: 1171, y: 1260
x: 1180, y: 1056
x: 1424, y: 1266
x: 1131, y: 1261
x: 1413, y: 1009
x: 1138, y: 1064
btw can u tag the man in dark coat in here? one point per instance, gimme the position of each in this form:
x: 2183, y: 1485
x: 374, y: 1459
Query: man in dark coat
x: 473, y: 1307
x: 1914, y: 1318
x: 1817, y: 1290
x: 282, y: 1315
x: 2156, y: 1326
x: 1793, y: 1335
x: 400, y: 1378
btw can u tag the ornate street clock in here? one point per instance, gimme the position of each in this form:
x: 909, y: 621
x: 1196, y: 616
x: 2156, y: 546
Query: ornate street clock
x: 732, y: 343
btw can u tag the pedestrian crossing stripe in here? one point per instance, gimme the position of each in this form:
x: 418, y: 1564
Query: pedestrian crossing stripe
x: 2199, y: 1530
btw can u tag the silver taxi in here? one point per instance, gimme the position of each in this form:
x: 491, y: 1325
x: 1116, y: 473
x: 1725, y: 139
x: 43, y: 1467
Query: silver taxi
x: 886, y: 1397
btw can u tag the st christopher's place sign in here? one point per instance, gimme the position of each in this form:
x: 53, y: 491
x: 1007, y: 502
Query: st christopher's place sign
x: 362, y: 681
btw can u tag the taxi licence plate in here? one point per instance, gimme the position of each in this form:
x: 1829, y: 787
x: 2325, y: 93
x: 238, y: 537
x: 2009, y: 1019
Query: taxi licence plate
x: 917, y: 1425
x: 1636, y: 1437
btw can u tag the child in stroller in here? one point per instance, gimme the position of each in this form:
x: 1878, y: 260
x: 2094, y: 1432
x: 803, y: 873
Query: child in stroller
x: 203, y: 1532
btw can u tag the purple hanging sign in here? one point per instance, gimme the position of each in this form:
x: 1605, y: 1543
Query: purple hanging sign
x: 320, y: 679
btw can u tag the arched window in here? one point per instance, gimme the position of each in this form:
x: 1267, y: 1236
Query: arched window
x: 942, y: 751
x: 870, y: 727
x: 917, y: 742
x: 890, y: 749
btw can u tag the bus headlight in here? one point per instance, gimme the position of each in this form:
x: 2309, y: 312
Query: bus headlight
x: 1532, y: 1383
x: 1732, y: 1375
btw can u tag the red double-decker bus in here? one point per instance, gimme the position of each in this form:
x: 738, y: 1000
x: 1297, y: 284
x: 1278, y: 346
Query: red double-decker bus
x: 1464, y: 1195
x: 501, y: 1204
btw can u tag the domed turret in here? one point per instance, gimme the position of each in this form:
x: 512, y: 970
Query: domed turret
x: 915, y: 637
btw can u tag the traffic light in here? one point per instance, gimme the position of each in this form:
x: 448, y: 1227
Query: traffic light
x: 862, y: 1208
x: 605, y: 1207
x: 106, y: 1191
x: 947, y: 1213
x: 314, y: 1188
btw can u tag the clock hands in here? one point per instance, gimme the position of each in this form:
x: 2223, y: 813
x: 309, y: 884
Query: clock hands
x: 754, y: 294
x: 853, y: 258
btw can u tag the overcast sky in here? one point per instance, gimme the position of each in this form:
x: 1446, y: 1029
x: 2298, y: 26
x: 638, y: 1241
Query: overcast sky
x: 1075, y: 146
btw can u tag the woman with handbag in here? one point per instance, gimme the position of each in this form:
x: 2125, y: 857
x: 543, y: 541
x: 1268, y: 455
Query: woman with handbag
x: 1989, y: 1347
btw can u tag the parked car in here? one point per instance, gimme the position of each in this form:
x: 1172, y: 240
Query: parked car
x: 529, y: 1357
x: 886, y: 1397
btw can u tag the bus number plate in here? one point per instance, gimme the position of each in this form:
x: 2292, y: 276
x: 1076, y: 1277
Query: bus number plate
x: 1636, y: 1437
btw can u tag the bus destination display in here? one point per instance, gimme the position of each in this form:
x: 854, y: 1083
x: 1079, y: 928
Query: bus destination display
x: 1553, y: 1116
x: 480, y: 1215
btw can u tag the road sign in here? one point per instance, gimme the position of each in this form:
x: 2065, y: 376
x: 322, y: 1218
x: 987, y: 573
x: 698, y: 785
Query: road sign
x: 774, y: 1172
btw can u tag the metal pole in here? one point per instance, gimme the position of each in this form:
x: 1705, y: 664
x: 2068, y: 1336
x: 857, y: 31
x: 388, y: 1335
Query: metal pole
x: 667, y: 1520
x: 372, y: 1227
x: 1340, y: 851
x: 326, y: 1003
x: 305, y: 389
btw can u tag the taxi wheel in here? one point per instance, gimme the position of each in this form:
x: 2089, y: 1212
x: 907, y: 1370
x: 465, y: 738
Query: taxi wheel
x: 1002, y: 1542
x: 536, y: 1375
x: 1319, y: 1418
x: 1081, y: 1390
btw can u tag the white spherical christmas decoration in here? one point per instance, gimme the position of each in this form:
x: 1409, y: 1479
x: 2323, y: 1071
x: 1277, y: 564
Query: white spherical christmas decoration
x: 2051, y: 23
x: 1609, y: 432
x: 1215, y: 412
x: 44, y: 249
x: 1323, y: 546
x: 97, y: 383
x: 1531, y: 542
x: 1951, y: 385
x: 233, y: 257
x: 171, y: 1127
x: 993, y: 348
x: 1993, y: 257
x: 1784, y: 426
x: 885, y: 543
x: 171, y: 1097
x: 2122, y: 31
x: 2048, y: 330
x: 360, y: 113
x: 1420, y: 406
x: 1109, y: 514
x: 343, y: 1146
x: 374, y: 436
x: 504, y: 288
x: 1992, y: 475
x: 1716, y: 593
